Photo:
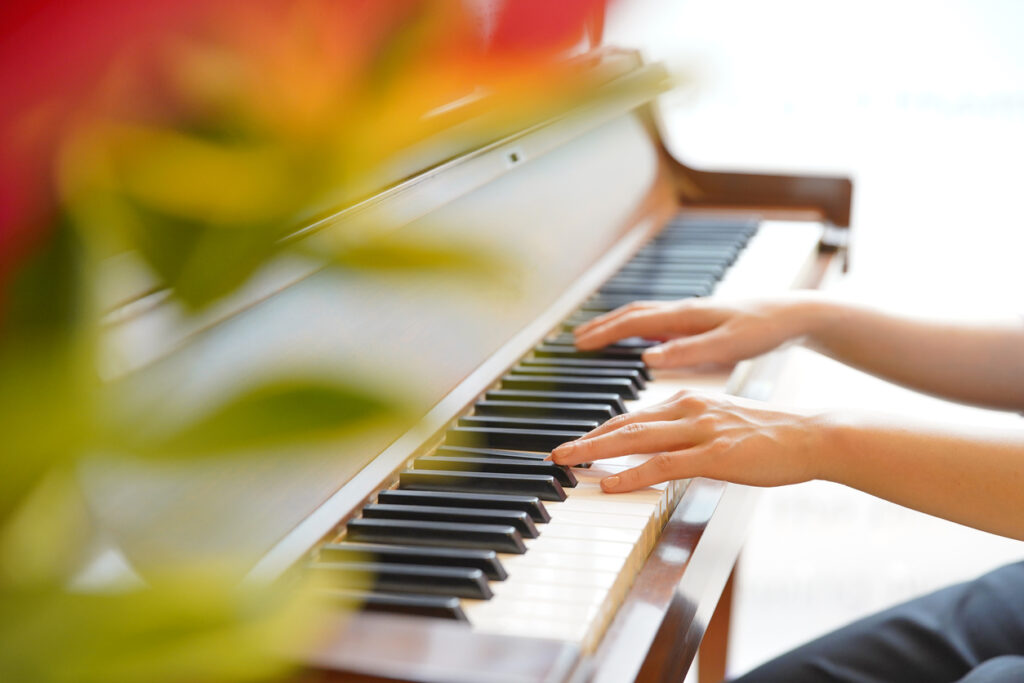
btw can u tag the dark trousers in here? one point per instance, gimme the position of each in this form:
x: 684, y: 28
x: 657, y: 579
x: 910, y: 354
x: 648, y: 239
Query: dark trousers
x: 971, y: 632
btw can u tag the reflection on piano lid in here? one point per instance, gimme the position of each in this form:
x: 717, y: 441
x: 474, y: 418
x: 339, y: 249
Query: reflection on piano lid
x: 487, y: 559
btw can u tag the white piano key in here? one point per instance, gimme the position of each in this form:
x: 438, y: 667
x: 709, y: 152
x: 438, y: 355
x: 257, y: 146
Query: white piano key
x: 558, y: 529
x: 568, y: 561
x: 561, y: 576
x: 511, y: 590
x: 484, y: 610
x: 608, y: 504
x: 602, y: 519
x: 578, y: 546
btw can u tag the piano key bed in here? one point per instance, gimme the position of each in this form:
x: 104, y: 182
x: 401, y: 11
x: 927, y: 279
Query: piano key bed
x: 483, y: 529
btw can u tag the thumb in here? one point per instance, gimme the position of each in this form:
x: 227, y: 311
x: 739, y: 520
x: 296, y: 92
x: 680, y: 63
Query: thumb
x: 710, y: 347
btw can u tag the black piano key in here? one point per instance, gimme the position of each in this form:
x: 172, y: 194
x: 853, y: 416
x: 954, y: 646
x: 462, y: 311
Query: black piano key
x: 622, y: 387
x: 460, y: 515
x: 553, y: 364
x: 519, y: 422
x: 642, y: 270
x: 434, y: 606
x: 543, y: 486
x: 511, y: 438
x: 686, y: 237
x: 466, y: 452
x: 725, y: 252
x: 652, y: 289
x: 612, y: 301
x: 580, y: 411
x: 633, y: 376
x: 567, y: 351
x: 469, y: 452
x: 485, y: 560
x: 653, y: 259
x: 496, y: 537
x: 614, y: 401
x: 563, y: 474
x: 684, y: 221
x: 462, y: 582
x: 628, y: 343
x: 531, y: 505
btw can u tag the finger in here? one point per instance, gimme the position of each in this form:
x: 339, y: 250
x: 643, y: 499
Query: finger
x: 639, y: 323
x: 714, y: 346
x: 604, y: 318
x: 661, y: 467
x: 683, y: 404
x: 635, y: 437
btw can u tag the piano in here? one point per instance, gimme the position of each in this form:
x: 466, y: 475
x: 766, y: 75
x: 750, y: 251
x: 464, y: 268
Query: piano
x: 489, y: 563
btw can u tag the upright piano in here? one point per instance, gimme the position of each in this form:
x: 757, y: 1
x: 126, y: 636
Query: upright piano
x: 490, y: 564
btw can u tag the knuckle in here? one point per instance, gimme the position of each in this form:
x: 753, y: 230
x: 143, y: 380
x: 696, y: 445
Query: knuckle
x: 616, y: 422
x: 693, y: 403
x: 634, y: 430
x: 720, y: 445
x: 707, y: 423
x: 681, y: 395
x: 661, y: 463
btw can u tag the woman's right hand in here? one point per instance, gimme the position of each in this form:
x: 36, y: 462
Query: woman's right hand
x: 699, y: 330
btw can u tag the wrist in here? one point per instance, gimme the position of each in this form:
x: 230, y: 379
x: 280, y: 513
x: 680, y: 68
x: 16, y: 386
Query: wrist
x: 813, y: 316
x: 835, y: 435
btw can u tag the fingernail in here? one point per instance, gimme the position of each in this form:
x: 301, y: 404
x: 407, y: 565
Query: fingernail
x: 609, y: 483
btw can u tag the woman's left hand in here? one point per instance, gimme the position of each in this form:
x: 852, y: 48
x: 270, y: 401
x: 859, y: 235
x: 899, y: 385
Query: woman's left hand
x: 701, y: 435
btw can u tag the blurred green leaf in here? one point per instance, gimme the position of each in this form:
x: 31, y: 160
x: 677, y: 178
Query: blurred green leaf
x: 181, y: 628
x: 277, y: 413
x: 406, y: 255
x: 46, y: 539
x: 47, y: 378
x: 199, y: 262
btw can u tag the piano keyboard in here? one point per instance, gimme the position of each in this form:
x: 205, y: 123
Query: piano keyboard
x: 483, y: 529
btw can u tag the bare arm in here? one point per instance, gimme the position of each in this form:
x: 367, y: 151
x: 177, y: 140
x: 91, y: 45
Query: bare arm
x: 971, y: 477
x: 981, y: 364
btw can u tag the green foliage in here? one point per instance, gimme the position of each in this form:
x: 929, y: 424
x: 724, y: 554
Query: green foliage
x: 182, y: 627
x: 387, y: 253
x: 272, y: 414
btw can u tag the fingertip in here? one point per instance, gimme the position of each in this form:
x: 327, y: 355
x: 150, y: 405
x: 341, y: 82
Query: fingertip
x: 611, y: 484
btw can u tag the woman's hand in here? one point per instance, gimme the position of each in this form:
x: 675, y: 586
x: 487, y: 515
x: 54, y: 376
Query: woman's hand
x: 699, y: 435
x: 705, y: 330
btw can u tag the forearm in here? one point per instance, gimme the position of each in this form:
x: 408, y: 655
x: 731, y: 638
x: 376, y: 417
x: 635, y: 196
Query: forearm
x: 972, y: 478
x: 982, y: 364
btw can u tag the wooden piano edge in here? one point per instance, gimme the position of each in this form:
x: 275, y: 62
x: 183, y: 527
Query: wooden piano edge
x: 795, y: 197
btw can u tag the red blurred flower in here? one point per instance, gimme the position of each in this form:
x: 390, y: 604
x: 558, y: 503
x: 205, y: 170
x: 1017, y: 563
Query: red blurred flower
x: 63, y: 62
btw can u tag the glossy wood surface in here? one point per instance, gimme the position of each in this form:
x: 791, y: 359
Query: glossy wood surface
x: 368, y: 647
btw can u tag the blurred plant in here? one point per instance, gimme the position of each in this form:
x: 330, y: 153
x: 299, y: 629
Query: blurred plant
x: 197, y: 135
